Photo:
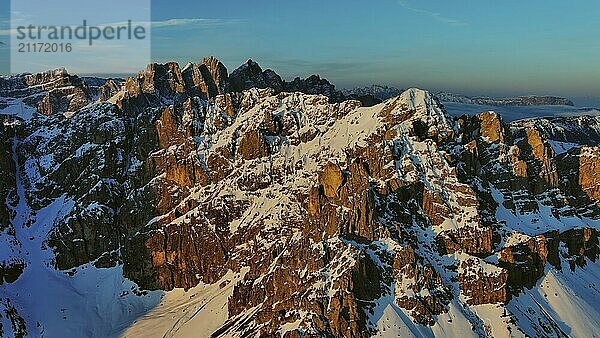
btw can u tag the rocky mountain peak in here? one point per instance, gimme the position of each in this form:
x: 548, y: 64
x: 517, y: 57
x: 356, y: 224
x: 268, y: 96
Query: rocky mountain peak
x: 165, y: 79
x: 491, y: 126
x: 166, y: 83
x: 427, y: 115
x: 215, y: 72
x: 314, y: 84
x: 210, y: 78
x: 250, y: 75
x: 212, y: 63
x: 253, y: 66
x: 51, y: 79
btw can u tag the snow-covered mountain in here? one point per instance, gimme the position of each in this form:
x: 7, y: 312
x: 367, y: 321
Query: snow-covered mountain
x: 178, y: 204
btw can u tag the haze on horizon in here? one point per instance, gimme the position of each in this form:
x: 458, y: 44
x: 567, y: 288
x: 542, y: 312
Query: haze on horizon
x: 470, y: 47
x: 473, y: 47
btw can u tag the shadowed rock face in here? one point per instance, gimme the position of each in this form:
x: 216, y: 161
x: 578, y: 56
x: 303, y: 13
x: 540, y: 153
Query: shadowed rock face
x: 7, y: 170
x: 11, y: 268
x: 525, y: 263
x: 251, y: 75
x: 207, y: 79
x: 326, y: 211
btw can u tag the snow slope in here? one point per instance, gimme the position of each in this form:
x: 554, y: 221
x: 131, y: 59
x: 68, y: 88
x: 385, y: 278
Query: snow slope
x: 566, y: 303
x: 91, y: 302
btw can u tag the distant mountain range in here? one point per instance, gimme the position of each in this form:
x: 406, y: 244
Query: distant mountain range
x: 531, y: 100
x: 378, y: 91
x: 384, y: 92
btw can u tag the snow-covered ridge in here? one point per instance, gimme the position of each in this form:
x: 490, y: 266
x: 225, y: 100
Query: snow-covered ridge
x: 583, y: 129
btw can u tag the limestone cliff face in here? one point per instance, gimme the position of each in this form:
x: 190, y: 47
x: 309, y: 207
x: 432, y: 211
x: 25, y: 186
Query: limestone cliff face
x: 325, y: 212
x: 420, y: 289
x: 483, y: 283
x: 581, y: 189
x: 209, y: 78
x: 589, y: 172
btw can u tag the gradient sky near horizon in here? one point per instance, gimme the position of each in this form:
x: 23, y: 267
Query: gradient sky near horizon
x: 472, y: 47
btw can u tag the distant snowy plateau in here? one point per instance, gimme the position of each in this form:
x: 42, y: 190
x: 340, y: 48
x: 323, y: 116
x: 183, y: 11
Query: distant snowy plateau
x: 194, y: 202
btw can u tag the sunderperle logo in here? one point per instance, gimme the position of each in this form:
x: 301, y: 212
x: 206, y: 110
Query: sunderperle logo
x: 126, y: 31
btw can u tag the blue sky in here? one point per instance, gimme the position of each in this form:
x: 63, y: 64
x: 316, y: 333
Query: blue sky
x: 473, y: 47
x: 476, y: 47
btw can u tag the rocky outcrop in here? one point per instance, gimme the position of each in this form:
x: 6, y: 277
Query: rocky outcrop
x: 419, y: 287
x: 483, y: 283
x: 314, y: 84
x: 253, y: 145
x: 207, y: 79
x: 339, y: 310
x: 10, y: 271
x: 214, y: 71
x: 108, y: 89
x: 331, y: 180
x: 163, y: 79
x: 64, y: 93
x: 580, y: 244
x: 525, y: 263
x: 473, y: 240
x: 18, y: 326
x: 343, y: 203
x: 580, y: 166
x: 589, y: 172
x: 491, y: 127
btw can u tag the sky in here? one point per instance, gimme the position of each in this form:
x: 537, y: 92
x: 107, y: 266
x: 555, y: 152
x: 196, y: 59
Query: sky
x: 86, y: 56
x: 482, y: 47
